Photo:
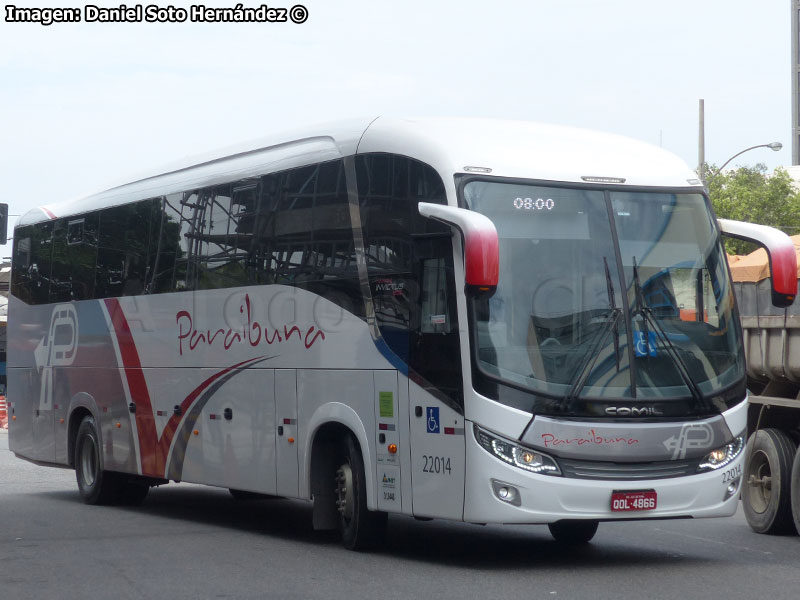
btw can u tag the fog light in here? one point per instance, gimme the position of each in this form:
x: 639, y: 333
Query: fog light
x: 732, y: 489
x: 506, y: 493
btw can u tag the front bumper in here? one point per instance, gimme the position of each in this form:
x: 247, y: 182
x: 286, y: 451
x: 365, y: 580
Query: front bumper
x: 547, y: 498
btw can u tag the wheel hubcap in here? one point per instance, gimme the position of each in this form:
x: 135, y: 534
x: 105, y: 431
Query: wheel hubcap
x: 88, y: 461
x: 344, y: 491
x: 760, y: 482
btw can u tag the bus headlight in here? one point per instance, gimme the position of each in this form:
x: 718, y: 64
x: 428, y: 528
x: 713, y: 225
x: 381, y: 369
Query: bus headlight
x: 722, y: 456
x: 519, y: 456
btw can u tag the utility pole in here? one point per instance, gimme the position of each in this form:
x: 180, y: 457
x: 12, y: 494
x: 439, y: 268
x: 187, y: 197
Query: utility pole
x: 701, y: 141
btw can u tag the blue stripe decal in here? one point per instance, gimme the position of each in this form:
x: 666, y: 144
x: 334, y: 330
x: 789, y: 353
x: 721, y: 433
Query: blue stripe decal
x: 389, y: 355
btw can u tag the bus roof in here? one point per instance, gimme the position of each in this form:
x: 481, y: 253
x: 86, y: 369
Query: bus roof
x: 518, y: 149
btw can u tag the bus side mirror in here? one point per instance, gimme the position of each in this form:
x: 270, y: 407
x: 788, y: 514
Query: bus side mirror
x: 481, y: 245
x: 780, y: 253
x: 3, y: 224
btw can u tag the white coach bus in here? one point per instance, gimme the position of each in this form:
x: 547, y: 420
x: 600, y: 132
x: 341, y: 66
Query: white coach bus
x: 477, y: 320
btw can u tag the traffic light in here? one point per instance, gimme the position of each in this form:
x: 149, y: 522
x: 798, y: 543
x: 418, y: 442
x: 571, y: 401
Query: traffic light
x: 3, y: 223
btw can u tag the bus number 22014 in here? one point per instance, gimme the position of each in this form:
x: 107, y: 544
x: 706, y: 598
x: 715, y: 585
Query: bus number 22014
x: 439, y: 465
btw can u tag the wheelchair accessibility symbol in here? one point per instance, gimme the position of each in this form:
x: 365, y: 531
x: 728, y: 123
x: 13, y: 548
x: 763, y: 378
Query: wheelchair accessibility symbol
x: 433, y: 419
x: 642, y: 348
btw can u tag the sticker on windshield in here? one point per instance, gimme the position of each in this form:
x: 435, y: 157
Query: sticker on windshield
x: 642, y: 348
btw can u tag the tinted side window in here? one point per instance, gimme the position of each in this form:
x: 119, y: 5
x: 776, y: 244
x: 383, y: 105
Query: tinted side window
x: 74, y: 258
x: 225, y: 220
x: 310, y: 235
x: 410, y: 268
x: 171, y: 247
x: 22, y: 273
x: 123, y: 261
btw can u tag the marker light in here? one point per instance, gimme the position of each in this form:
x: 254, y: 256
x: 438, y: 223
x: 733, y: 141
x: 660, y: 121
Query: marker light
x: 519, y: 456
x: 392, y: 448
x: 596, y: 179
x: 723, y: 456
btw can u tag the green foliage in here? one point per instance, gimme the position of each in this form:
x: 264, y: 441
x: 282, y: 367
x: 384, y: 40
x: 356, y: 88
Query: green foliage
x: 750, y: 194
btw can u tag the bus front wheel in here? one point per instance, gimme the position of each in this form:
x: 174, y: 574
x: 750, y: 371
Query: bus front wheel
x: 573, y: 533
x: 96, y: 486
x: 360, y: 528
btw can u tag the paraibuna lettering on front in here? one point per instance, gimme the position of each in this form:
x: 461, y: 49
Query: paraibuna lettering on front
x: 549, y: 440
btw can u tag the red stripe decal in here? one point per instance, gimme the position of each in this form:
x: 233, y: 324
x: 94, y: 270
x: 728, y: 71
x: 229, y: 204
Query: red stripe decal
x: 152, y: 461
x: 49, y: 214
x: 172, y: 425
x: 152, y: 449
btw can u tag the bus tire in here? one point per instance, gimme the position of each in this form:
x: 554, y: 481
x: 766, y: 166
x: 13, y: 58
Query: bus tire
x: 360, y: 528
x: 95, y: 485
x: 573, y: 533
x: 795, y: 487
x: 133, y: 492
x: 766, y: 493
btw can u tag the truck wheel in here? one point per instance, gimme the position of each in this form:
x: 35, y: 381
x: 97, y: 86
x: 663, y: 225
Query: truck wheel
x: 796, y: 490
x: 95, y: 485
x: 766, y: 494
x: 360, y: 528
x: 573, y: 533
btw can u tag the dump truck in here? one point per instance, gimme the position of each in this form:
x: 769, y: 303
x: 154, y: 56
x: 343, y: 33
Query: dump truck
x: 771, y: 490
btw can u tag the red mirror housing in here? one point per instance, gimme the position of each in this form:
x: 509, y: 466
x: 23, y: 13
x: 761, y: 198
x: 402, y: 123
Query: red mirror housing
x: 780, y: 252
x: 481, y: 245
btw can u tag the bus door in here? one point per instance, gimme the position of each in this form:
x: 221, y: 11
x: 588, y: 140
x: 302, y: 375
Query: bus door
x: 436, y: 420
x: 437, y: 456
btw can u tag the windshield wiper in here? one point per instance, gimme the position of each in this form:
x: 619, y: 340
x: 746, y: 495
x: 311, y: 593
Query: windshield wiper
x: 590, y: 357
x: 612, y: 301
x: 647, y: 316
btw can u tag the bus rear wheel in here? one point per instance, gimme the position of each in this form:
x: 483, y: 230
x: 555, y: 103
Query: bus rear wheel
x: 360, y: 528
x: 573, y: 533
x: 766, y: 494
x: 95, y: 485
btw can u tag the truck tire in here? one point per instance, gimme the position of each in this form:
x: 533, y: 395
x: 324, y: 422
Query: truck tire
x: 360, y: 528
x: 766, y: 493
x: 796, y: 490
x: 95, y: 485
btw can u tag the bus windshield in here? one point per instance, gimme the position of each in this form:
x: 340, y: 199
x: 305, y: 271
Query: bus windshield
x: 605, y: 294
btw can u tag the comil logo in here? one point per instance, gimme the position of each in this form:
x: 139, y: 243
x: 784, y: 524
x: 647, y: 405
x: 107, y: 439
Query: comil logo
x: 57, y: 349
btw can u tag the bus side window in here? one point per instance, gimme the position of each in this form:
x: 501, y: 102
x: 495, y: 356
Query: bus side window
x: 21, y: 265
x: 170, y: 247
x: 74, y: 258
x: 410, y: 268
x: 122, y: 256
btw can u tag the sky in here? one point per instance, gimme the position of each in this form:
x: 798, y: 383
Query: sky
x: 83, y: 105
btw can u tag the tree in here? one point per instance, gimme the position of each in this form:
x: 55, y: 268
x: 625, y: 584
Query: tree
x: 750, y: 194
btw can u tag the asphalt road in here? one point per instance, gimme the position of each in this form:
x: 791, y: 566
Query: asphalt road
x: 191, y: 541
